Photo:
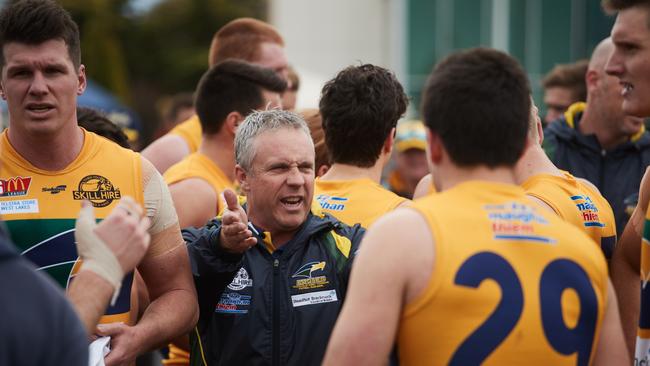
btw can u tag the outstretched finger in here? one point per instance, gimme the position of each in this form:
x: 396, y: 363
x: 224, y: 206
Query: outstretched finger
x: 86, y: 219
x: 231, y: 199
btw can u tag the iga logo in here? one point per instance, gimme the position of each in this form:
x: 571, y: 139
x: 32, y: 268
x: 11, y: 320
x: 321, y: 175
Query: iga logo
x: 240, y: 281
x: 15, y: 186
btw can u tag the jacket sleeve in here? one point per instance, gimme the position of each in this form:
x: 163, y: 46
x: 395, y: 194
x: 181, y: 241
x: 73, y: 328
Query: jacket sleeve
x: 355, y: 234
x: 212, y: 268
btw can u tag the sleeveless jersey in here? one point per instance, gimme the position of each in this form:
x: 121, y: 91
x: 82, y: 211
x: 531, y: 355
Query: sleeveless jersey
x: 190, y: 131
x: 358, y: 201
x: 511, y: 284
x: 642, y: 353
x: 40, y: 207
x: 578, y: 204
x: 197, y: 165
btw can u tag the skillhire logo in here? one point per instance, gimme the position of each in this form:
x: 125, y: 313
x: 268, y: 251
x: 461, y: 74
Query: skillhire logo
x: 96, y: 189
x: 15, y: 186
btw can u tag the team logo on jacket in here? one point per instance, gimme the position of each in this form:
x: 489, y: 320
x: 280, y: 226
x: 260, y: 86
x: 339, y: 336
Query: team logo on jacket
x: 588, y: 210
x: 331, y: 203
x: 241, y: 280
x: 15, y: 186
x: 306, y: 279
x: 98, y: 190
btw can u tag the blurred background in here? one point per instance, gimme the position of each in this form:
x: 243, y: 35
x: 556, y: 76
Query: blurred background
x: 139, y: 54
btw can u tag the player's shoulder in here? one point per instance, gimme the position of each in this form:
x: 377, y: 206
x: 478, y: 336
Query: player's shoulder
x: 400, y: 225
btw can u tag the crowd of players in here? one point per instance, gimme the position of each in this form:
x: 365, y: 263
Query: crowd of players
x: 503, y: 257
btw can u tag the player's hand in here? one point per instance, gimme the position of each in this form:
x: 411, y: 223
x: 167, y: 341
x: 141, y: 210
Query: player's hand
x: 117, y: 244
x: 235, y: 236
x: 125, y: 232
x: 124, y: 343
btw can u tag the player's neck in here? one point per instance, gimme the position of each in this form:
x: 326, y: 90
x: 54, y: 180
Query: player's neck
x: 533, y: 162
x: 50, y: 152
x: 221, y: 151
x: 452, y: 175
x: 338, y: 172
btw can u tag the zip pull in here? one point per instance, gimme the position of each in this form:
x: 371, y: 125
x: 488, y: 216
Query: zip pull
x: 276, y: 263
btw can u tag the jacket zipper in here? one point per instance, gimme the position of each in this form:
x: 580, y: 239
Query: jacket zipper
x: 276, y: 312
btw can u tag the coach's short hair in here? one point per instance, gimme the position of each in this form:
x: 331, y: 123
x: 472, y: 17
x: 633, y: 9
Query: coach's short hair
x: 258, y: 123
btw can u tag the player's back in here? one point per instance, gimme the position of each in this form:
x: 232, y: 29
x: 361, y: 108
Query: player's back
x: 190, y: 131
x: 511, y: 284
x: 578, y: 204
x: 198, y: 165
x: 356, y: 201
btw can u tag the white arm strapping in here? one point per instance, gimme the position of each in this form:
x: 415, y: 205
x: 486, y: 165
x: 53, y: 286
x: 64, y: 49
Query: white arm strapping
x: 96, y: 255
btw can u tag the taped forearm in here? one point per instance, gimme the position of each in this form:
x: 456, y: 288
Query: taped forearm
x: 96, y: 255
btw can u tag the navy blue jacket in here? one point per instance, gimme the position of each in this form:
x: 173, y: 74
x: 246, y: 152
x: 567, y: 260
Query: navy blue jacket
x: 263, y: 308
x: 37, y: 324
x: 617, y: 173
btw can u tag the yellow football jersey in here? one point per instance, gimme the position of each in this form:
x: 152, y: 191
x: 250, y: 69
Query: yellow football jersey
x: 190, y: 130
x: 197, y: 165
x: 40, y: 207
x: 511, y: 284
x: 578, y: 204
x: 358, y: 201
x: 642, y: 354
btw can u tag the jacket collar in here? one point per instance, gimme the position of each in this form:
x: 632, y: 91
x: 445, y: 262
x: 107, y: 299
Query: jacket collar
x: 575, y: 111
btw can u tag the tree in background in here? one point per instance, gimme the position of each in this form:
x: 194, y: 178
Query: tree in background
x: 142, y: 57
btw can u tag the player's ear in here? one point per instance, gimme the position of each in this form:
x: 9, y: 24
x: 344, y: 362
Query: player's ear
x: 389, y: 143
x: 233, y: 120
x: 435, y: 147
x: 81, y: 75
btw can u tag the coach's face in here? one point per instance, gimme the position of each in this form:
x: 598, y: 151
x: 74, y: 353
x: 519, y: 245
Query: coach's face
x: 279, y: 185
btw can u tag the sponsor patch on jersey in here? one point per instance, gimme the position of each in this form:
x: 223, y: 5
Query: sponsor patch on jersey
x: 96, y: 189
x: 331, y: 203
x: 307, y: 276
x: 312, y: 298
x: 233, y: 303
x: 241, y: 280
x: 55, y: 190
x: 15, y: 186
x: 515, y: 221
x: 588, y: 210
x: 19, y: 207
